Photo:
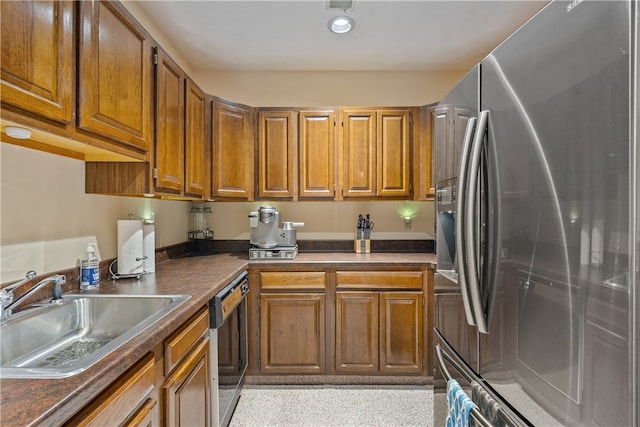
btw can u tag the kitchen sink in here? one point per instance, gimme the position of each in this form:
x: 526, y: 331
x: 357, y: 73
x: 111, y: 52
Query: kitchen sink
x: 58, y: 341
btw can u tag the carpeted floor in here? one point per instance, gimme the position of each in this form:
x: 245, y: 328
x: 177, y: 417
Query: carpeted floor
x: 334, y: 405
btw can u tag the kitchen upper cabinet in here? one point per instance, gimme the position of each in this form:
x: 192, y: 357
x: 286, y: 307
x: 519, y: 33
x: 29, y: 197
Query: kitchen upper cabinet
x: 195, y: 140
x: 379, y: 322
x: 277, y: 154
x: 358, y: 161
x: 292, y: 322
x: 317, y: 145
x: 180, y: 131
x: 38, y: 57
x: 423, y: 172
x: 180, y: 151
x: 114, y: 89
x: 170, y: 130
x: 376, y: 152
x: 394, y: 153
x: 233, y: 150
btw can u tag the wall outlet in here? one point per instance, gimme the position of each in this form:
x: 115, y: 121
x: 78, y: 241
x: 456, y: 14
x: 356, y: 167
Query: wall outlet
x: 407, y: 222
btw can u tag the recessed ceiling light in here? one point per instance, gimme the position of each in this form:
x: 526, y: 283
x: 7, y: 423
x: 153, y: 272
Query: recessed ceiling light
x: 17, y: 133
x: 341, y: 24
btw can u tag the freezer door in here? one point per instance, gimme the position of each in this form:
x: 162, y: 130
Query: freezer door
x: 490, y: 411
x: 557, y: 98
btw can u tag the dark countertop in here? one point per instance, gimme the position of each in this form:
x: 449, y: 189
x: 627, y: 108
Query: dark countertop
x: 53, y: 401
x: 338, y: 259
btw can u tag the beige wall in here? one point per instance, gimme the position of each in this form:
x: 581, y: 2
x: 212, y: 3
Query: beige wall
x: 330, y: 220
x: 328, y: 88
x: 46, y: 219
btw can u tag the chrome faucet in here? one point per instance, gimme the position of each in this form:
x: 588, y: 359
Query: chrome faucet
x: 57, y: 279
x: 6, y: 293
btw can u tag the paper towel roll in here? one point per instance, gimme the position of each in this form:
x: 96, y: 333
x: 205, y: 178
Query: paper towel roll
x: 130, y: 247
x: 149, y: 237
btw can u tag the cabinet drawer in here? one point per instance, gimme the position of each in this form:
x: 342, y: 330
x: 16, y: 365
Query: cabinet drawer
x: 116, y: 404
x: 179, y: 344
x: 288, y: 281
x: 379, y: 280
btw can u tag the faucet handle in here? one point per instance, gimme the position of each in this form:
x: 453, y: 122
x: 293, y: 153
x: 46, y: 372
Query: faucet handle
x: 56, y: 296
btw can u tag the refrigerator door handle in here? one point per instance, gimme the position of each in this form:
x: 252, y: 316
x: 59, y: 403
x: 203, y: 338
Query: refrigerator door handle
x: 459, y: 225
x: 471, y: 255
x: 475, y: 413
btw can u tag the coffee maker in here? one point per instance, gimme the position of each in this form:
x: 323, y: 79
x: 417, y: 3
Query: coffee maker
x: 268, y: 239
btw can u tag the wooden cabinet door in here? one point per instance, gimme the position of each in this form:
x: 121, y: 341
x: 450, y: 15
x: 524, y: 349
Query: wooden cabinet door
x: 292, y: 333
x: 169, y: 159
x: 195, y: 140
x: 393, y: 153
x: 276, y: 154
x: 422, y: 152
x: 186, y: 392
x: 401, y: 332
x: 359, y: 158
x: 357, y: 345
x: 232, y: 152
x: 452, y: 322
x: 147, y: 416
x: 38, y: 57
x: 126, y: 402
x: 317, y: 154
x: 115, y: 70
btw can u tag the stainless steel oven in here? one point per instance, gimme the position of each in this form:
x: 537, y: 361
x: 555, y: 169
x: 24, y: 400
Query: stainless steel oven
x: 228, y: 341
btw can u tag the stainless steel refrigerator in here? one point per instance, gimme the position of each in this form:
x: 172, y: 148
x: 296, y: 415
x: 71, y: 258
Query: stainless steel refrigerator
x: 541, y: 322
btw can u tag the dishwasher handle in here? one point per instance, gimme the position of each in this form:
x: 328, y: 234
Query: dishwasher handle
x: 227, y: 300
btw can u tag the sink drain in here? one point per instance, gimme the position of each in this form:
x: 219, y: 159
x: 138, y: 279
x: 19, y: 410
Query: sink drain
x: 72, y: 353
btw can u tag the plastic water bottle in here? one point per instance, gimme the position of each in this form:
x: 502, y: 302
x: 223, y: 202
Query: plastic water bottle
x: 90, y: 270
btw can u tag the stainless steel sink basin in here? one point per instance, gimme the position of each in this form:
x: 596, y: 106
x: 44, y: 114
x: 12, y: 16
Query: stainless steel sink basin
x: 57, y: 341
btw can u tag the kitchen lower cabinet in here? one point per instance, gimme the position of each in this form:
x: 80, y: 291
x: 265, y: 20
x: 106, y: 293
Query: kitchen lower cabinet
x: 329, y: 322
x: 128, y: 401
x: 292, y: 323
x: 186, y: 392
x: 379, y: 329
x: 401, y: 332
x: 452, y: 322
x: 357, y: 337
x: 379, y: 332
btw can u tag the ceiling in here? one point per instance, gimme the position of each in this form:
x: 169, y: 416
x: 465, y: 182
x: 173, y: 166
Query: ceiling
x: 390, y: 35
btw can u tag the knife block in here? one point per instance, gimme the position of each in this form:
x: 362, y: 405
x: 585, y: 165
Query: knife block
x: 362, y: 246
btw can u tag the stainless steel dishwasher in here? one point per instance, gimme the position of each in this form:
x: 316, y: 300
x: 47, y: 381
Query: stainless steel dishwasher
x: 228, y: 341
